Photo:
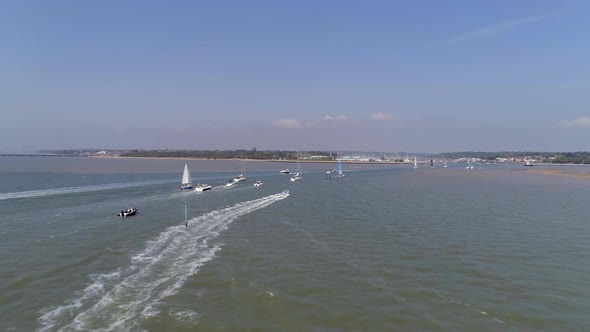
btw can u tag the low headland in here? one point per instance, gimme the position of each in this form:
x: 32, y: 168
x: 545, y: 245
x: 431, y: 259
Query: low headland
x: 561, y: 158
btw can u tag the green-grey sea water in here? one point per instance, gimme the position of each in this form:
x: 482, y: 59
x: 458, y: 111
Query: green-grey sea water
x: 385, y: 248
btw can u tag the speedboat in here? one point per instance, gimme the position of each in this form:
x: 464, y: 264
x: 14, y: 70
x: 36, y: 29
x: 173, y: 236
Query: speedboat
x: 203, y: 187
x: 127, y: 212
x: 286, y: 171
x: 258, y: 183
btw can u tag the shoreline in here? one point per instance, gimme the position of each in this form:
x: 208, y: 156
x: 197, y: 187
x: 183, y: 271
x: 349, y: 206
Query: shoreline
x: 259, y: 160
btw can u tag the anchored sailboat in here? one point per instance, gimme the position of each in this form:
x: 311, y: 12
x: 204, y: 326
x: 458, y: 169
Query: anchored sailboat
x: 187, y: 182
x: 415, y: 162
x: 242, y: 176
x: 297, y: 176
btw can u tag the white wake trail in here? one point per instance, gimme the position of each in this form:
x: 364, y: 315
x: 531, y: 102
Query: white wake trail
x: 72, y: 190
x: 121, y: 299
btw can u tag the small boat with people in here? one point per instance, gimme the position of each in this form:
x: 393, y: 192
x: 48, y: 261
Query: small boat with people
x: 127, y: 212
x: 258, y: 183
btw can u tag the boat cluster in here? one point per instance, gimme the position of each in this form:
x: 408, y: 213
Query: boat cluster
x: 187, y: 182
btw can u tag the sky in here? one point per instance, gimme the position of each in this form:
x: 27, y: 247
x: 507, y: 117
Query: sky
x: 421, y: 76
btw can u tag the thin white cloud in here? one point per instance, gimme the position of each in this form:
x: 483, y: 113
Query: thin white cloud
x: 380, y: 116
x: 494, y: 29
x: 341, y: 117
x: 583, y: 121
x: 287, y: 123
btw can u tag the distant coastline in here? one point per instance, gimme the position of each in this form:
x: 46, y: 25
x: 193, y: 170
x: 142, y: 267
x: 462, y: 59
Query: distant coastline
x: 537, y: 158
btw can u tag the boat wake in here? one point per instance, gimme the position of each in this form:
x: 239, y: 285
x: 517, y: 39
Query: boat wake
x: 72, y: 190
x: 121, y: 299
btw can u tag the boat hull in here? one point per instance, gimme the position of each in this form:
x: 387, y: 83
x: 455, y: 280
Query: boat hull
x: 203, y: 187
x: 127, y: 213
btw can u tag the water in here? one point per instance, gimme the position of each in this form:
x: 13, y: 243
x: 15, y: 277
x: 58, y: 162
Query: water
x: 384, y: 248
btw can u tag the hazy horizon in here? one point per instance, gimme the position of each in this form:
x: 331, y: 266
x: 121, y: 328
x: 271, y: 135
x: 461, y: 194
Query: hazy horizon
x: 335, y: 75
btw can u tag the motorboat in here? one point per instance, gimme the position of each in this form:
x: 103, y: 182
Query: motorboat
x: 230, y: 183
x: 127, y: 212
x: 286, y: 171
x: 258, y: 183
x: 203, y: 187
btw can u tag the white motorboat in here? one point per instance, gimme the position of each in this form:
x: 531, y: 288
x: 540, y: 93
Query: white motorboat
x: 230, y: 183
x: 258, y: 183
x: 286, y: 171
x: 203, y: 187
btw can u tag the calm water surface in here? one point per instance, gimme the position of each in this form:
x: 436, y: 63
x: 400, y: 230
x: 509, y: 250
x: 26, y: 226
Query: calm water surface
x: 386, y: 248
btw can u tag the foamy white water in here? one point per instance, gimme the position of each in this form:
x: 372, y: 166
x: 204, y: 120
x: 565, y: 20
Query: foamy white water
x: 119, y: 300
x: 73, y: 190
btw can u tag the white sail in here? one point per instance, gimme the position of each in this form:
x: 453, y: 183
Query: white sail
x: 186, y: 176
x: 415, y: 162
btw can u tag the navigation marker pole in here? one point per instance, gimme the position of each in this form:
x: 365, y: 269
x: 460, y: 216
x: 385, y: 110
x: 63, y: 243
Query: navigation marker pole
x: 185, y: 214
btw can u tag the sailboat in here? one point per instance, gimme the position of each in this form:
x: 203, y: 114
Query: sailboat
x: 297, y: 176
x: 187, y: 182
x: 415, y: 162
x: 242, y: 176
x: 339, y: 169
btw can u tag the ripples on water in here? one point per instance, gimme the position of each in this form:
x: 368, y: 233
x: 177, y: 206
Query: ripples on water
x: 380, y: 249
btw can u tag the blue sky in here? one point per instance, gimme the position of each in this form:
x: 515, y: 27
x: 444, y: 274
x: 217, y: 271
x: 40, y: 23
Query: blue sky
x: 425, y: 76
